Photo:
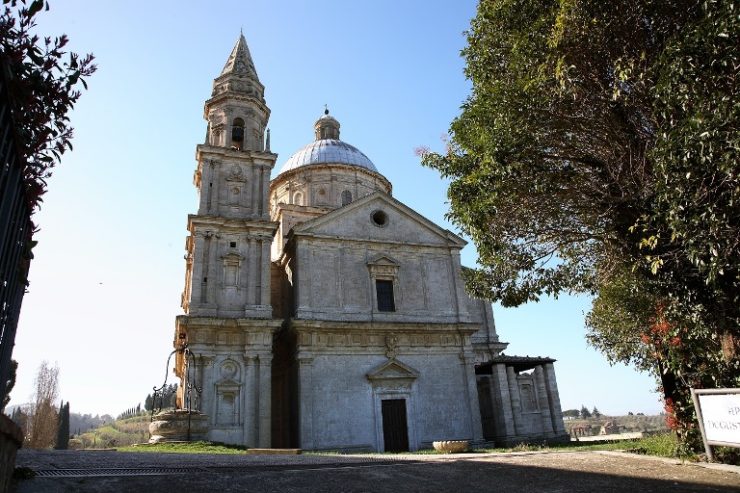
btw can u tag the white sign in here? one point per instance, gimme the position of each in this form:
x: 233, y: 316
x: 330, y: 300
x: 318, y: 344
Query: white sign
x: 721, y: 416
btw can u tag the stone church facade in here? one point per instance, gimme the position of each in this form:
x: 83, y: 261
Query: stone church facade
x: 321, y: 313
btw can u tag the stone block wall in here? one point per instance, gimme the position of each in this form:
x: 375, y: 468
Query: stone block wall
x: 341, y: 406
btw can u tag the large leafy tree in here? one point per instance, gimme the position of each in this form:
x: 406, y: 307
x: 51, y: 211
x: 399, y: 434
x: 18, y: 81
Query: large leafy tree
x: 597, y: 153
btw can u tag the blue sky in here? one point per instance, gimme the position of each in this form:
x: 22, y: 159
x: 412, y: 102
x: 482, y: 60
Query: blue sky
x: 109, y: 269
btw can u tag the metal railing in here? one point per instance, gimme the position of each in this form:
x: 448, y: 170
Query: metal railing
x: 15, y: 234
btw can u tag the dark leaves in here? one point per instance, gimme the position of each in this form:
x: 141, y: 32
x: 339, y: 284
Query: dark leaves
x: 42, y: 85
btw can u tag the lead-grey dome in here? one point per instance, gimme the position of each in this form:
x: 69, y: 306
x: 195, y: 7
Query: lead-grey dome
x: 328, y: 149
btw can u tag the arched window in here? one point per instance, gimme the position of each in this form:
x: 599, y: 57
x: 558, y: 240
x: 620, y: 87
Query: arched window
x: 346, y: 197
x: 237, y: 133
x: 298, y: 198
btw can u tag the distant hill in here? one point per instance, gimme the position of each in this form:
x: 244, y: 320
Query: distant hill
x: 624, y: 424
x: 113, y: 433
x: 80, y: 423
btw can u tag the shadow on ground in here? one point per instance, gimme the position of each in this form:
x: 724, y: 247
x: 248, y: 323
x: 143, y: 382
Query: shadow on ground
x: 551, y: 472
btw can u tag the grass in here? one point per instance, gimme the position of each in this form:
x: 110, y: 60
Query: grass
x: 662, y: 445
x: 186, y: 448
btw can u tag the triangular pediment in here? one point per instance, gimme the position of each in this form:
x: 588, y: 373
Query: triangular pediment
x: 399, y: 222
x: 392, y: 370
x: 383, y: 260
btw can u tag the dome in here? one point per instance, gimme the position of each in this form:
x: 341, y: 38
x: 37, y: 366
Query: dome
x: 328, y: 149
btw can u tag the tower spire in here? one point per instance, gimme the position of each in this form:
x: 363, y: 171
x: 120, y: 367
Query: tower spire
x: 240, y: 60
x: 236, y: 112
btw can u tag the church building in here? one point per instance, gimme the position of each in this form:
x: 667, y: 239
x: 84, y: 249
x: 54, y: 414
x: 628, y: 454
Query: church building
x: 321, y: 313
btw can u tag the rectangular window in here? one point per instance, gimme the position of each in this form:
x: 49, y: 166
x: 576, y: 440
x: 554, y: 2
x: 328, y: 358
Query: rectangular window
x: 384, y: 290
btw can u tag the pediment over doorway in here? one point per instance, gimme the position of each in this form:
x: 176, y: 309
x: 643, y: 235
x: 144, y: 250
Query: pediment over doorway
x: 392, y: 370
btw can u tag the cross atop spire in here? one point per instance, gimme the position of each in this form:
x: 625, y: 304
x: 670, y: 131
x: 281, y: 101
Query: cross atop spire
x: 240, y: 61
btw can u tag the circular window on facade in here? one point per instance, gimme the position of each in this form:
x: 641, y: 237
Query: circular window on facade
x: 379, y: 218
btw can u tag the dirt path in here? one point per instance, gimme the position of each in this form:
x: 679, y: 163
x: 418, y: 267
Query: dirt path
x: 63, y: 471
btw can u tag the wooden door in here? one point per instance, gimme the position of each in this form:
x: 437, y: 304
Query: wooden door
x: 395, y: 428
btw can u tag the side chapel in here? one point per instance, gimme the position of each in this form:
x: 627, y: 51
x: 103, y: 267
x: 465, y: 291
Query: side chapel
x: 321, y: 313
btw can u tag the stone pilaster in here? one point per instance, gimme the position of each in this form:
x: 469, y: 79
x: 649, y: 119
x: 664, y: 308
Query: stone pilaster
x: 255, y: 203
x: 501, y: 387
x: 516, y: 401
x: 543, y: 400
x: 468, y: 375
x: 250, y: 401
x: 265, y: 274
x: 251, y: 281
x: 305, y: 397
x: 553, y: 395
x: 264, y: 416
x: 209, y: 389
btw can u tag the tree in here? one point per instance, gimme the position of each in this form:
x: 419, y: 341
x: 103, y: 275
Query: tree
x: 597, y: 153
x: 42, y: 431
x: 571, y: 413
x: 41, y: 82
x: 62, y: 442
x: 9, y: 385
x: 20, y: 417
x: 585, y: 413
x: 596, y: 413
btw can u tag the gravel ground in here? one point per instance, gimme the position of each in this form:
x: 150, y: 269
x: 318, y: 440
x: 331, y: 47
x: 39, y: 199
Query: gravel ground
x: 95, y: 471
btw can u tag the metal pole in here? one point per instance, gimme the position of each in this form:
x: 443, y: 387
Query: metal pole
x: 697, y: 408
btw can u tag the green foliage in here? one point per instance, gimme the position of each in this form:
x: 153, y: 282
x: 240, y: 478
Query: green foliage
x: 620, y: 315
x: 187, y: 448
x: 42, y: 80
x: 585, y: 413
x: 660, y: 444
x: 165, y: 398
x: 597, y: 153
x: 62, y: 442
x: 114, y: 434
x: 80, y: 423
x: 131, y: 412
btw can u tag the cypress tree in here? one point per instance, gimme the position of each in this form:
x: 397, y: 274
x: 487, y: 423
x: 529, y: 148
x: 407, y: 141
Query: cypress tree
x: 63, y: 429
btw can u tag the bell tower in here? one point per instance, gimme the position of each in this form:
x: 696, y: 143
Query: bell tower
x: 228, y: 251
x: 228, y: 326
x: 236, y: 113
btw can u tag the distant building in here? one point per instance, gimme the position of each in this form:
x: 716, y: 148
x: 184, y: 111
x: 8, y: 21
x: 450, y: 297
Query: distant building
x: 324, y: 314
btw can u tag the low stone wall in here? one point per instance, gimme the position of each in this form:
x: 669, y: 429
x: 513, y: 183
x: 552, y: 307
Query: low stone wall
x: 11, y: 439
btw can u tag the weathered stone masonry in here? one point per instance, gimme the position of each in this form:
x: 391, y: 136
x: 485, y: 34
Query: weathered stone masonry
x: 323, y: 313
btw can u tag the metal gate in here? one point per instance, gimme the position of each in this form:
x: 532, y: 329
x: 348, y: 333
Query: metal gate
x: 395, y: 428
x: 15, y: 233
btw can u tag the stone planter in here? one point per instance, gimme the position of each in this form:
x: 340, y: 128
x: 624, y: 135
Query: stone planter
x: 172, y: 426
x: 11, y: 439
x: 451, y: 446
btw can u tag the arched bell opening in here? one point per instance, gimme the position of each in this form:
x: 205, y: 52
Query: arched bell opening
x: 237, y: 134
